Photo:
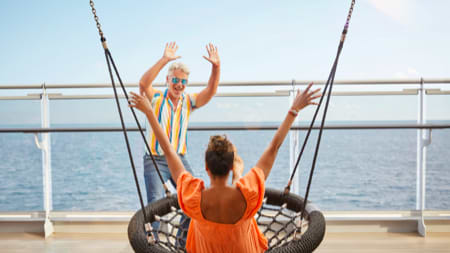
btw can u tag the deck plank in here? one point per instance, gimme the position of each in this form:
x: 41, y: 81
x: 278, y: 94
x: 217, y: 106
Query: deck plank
x: 333, y: 242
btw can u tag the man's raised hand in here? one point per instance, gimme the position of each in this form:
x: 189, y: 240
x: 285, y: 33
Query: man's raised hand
x: 213, y: 55
x: 170, y: 51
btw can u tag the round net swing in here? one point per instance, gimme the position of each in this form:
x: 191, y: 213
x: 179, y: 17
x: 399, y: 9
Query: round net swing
x: 278, y: 219
x: 285, y: 220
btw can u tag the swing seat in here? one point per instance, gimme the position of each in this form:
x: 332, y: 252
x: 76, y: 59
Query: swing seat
x: 278, y: 218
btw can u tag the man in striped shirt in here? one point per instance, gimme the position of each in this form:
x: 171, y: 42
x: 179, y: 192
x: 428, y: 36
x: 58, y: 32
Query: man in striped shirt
x: 173, y: 107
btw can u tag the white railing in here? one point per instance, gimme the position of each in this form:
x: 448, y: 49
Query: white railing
x: 423, y: 129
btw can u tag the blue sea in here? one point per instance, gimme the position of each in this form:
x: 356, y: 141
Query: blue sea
x: 356, y: 169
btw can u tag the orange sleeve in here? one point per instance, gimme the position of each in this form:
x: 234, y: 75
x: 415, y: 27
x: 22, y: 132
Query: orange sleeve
x: 252, y: 187
x: 189, y: 192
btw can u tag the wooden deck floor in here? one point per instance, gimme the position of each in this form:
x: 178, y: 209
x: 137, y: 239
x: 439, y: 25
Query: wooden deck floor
x: 333, y: 242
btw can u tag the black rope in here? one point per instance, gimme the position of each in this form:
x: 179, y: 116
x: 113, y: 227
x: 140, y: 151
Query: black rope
x: 109, y: 61
x: 139, y: 125
x: 103, y: 40
x: 333, y: 69
x: 327, y: 91
x: 287, y: 189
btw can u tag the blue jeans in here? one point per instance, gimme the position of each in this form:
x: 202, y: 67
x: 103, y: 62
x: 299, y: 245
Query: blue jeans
x: 155, y: 189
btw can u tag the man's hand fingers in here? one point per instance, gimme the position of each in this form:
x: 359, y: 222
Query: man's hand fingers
x: 211, y: 49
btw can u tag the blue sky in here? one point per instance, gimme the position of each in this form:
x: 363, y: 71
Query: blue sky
x: 57, y: 42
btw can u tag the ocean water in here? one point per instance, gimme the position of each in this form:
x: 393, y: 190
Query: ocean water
x: 356, y: 169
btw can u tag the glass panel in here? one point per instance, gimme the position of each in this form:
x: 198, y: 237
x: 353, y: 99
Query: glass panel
x: 438, y: 171
x: 363, y: 170
x: 20, y: 113
x: 91, y: 170
x: 21, y: 167
x: 242, y: 109
x: 376, y: 109
x: 232, y: 111
x: 437, y: 108
x: 250, y: 145
x: 438, y: 154
x: 356, y: 169
x: 91, y: 113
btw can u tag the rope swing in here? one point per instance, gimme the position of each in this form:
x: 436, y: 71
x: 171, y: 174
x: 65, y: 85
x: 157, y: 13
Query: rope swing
x: 289, y: 222
x: 110, y: 61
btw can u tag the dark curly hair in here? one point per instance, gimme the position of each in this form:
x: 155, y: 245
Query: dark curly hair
x: 219, y: 155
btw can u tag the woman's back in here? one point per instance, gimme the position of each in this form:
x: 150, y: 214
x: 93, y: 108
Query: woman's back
x: 222, y: 219
x: 224, y: 205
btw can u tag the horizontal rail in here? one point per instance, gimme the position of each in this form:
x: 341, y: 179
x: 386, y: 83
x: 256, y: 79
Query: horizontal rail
x: 279, y: 93
x: 223, y: 128
x: 242, y: 83
x: 114, y: 216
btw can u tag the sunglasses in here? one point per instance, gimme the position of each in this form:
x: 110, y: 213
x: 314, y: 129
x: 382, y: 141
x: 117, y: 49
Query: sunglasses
x: 176, y: 80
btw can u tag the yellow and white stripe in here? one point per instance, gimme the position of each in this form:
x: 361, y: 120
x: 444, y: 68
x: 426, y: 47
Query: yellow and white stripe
x: 174, y: 121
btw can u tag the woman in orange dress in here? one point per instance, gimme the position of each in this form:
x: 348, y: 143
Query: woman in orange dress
x: 222, y: 215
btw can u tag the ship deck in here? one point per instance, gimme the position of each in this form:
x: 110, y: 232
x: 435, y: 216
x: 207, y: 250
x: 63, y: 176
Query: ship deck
x: 333, y: 242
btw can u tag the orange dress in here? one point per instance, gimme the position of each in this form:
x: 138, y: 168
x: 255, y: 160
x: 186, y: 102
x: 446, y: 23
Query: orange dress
x: 208, y: 236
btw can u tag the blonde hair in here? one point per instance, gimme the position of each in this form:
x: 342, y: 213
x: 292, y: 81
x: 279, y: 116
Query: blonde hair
x: 178, y: 65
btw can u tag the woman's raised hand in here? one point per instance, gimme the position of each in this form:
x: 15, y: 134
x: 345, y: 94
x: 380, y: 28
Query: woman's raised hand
x: 305, y: 98
x: 142, y: 103
x: 238, y: 166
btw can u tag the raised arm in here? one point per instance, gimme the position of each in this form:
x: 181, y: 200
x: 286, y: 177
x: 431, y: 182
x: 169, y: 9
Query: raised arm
x: 238, y: 166
x: 302, y: 100
x: 206, y: 94
x: 142, y: 103
x: 145, y: 84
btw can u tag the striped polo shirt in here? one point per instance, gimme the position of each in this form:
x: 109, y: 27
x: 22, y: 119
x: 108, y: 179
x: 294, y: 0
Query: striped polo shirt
x: 174, y: 121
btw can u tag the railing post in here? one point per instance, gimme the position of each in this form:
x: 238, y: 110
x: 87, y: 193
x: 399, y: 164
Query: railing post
x: 422, y: 142
x: 293, y: 147
x: 45, y: 146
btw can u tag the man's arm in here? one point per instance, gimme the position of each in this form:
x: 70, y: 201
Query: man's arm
x: 145, y: 84
x: 206, y: 94
x: 142, y: 103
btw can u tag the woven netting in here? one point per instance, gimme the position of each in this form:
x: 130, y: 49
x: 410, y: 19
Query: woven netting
x: 278, y: 219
